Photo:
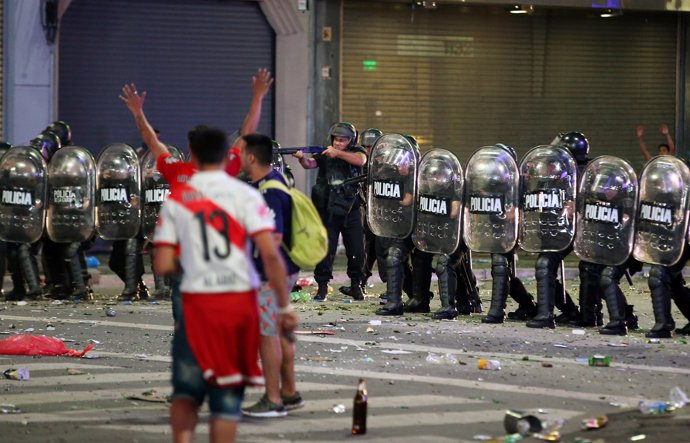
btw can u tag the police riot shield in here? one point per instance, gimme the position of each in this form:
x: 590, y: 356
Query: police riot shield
x: 22, y: 195
x: 439, y: 202
x: 606, y: 205
x: 155, y: 191
x: 118, y: 191
x: 492, y: 183
x: 662, y: 214
x: 71, y: 209
x: 548, y: 178
x: 392, y: 186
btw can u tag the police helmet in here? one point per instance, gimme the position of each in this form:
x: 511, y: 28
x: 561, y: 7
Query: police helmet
x: 62, y: 130
x: 47, y: 143
x: 368, y: 137
x: 343, y: 129
x: 510, y: 150
x: 438, y: 175
x: 577, y: 144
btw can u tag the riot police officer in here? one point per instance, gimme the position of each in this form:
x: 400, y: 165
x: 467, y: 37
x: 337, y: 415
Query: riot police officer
x: 372, y: 254
x: 338, y: 204
x: 549, y: 289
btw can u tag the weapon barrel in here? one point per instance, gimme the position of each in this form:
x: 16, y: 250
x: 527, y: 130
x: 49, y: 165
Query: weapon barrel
x: 305, y: 149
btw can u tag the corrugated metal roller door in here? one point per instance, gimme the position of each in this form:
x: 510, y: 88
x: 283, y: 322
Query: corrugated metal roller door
x: 195, y: 59
x: 463, y: 77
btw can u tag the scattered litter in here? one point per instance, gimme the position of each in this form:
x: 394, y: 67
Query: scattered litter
x: 335, y: 350
x: 307, y: 281
x: 370, y: 329
x: 595, y: 423
x: 546, y: 365
x: 314, y: 332
x: 8, y: 408
x: 21, y: 303
x: 578, y: 332
x: 50, y: 328
x: 151, y: 395
x: 92, y: 341
x: 638, y: 437
x: 482, y: 437
x: 445, y: 359
x: 110, y: 312
x: 29, y: 330
x: 347, y: 300
x: 618, y: 345
x: 395, y: 351
x: 24, y: 344
x: 678, y: 398
x: 582, y: 360
x: 75, y: 371
x: 338, y: 409
x: 549, y: 436
x: 318, y: 358
x: 375, y: 322
x: 655, y: 407
x: 654, y: 341
x: 56, y: 302
x: 489, y: 365
x: 19, y: 374
x: 600, y: 360
x: 560, y: 345
x: 92, y: 262
x: 517, y: 422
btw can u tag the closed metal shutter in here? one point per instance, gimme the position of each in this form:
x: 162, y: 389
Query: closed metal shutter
x: 2, y: 70
x: 463, y: 77
x: 195, y: 59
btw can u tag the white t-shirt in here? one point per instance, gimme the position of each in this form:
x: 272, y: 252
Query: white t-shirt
x: 212, y: 219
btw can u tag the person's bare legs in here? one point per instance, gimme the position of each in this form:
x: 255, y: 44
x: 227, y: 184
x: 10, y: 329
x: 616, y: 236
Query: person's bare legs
x: 287, y: 368
x: 223, y: 431
x: 183, y: 418
x: 269, y: 350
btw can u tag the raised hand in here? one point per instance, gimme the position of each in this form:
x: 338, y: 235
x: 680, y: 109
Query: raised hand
x: 261, y: 82
x: 132, y: 99
x: 640, y: 131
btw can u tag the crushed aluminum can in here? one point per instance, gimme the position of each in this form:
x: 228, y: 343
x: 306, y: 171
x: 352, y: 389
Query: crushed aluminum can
x: 595, y: 423
x: 600, y: 360
x: 517, y: 422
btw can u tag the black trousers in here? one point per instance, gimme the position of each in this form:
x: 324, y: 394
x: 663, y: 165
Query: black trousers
x: 350, y: 226
x: 122, y: 256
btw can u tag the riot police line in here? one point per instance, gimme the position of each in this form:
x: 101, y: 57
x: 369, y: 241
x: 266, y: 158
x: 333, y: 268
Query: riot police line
x: 56, y: 198
x: 554, y: 201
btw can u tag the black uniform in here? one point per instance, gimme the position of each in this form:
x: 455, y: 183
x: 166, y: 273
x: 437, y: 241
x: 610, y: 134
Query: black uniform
x: 504, y: 282
x: 666, y: 283
x: 340, y: 212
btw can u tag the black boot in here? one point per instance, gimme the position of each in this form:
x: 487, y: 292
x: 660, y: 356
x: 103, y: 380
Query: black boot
x: 394, y: 275
x: 143, y: 291
x: 615, y: 302
x: 546, y: 288
x: 447, y: 311
x: 356, y: 291
x: 630, y: 318
x: 500, y: 278
x: 570, y: 314
x: 590, y: 295
x: 322, y: 292
x: 29, y: 269
x: 527, y: 308
x: 659, y: 285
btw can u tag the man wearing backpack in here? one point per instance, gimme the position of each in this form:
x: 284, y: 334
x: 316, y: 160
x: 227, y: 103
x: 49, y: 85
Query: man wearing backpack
x: 277, y: 351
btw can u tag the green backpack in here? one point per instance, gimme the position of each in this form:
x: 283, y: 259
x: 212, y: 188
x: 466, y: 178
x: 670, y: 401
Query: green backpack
x: 309, y: 237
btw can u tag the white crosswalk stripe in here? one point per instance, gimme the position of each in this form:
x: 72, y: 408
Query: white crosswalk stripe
x: 97, y: 400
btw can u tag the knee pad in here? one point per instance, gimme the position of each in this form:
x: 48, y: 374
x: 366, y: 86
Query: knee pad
x: 658, y: 277
x: 395, y: 256
x: 499, y: 265
x: 544, y: 267
x: 442, y: 264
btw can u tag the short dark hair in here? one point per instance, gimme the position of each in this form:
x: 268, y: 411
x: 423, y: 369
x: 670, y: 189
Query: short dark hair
x: 209, y: 145
x: 664, y: 145
x: 261, y: 146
